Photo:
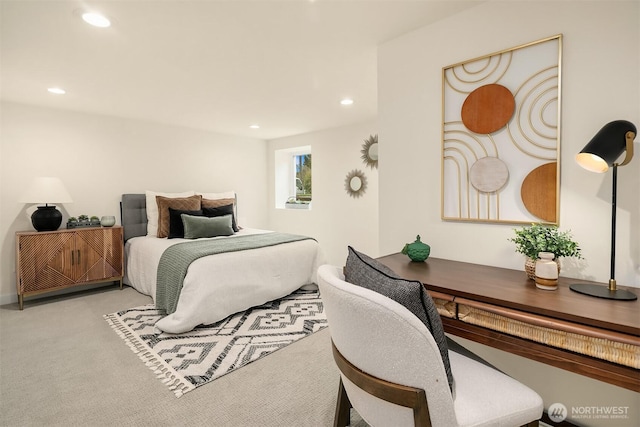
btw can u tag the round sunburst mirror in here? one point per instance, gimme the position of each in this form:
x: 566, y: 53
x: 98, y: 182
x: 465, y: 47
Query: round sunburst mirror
x: 355, y: 183
x: 370, y: 151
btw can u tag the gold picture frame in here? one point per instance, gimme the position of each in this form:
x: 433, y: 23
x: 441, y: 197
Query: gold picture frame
x: 501, y: 135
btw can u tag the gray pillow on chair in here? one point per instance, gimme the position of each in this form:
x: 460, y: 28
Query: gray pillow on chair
x: 364, y: 271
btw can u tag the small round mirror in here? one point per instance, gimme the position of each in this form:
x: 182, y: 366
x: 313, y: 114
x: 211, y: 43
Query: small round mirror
x: 356, y: 183
x: 370, y: 151
x: 373, y: 152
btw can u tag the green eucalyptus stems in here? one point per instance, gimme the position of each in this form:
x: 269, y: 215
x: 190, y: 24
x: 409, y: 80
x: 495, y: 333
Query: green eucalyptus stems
x: 545, y: 238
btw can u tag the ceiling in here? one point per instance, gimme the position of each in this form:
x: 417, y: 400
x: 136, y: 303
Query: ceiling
x: 219, y: 66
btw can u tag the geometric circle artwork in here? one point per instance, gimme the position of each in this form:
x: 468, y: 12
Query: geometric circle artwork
x: 538, y: 192
x: 489, y: 174
x: 501, y: 135
x: 488, y: 108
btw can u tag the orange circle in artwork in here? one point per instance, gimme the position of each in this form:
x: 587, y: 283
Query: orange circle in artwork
x: 539, y: 192
x: 488, y: 108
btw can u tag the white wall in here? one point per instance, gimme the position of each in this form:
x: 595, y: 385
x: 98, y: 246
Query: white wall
x: 335, y: 219
x: 600, y: 83
x: 99, y: 158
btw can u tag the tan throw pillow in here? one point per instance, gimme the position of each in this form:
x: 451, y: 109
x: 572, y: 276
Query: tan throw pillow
x: 209, y: 203
x: 152, y: 208
x: 191, y: 203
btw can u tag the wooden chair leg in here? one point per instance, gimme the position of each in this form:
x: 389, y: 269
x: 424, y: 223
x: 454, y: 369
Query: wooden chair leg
x: 343, y: 408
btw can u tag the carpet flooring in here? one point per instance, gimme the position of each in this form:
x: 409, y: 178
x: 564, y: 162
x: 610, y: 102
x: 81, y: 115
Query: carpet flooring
x: 61, y: 365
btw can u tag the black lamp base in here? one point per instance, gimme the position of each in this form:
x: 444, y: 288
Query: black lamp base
x: 46, y: 218
x: 603, y: 292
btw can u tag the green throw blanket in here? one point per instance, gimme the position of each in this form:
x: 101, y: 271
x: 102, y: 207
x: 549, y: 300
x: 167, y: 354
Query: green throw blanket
x: 176, y: 259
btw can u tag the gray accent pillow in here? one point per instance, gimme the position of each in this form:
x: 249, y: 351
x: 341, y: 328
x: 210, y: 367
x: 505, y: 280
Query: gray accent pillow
x: 365, y: 271
x: 196, y: 227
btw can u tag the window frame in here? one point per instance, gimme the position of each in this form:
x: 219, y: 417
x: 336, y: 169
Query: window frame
x: 286, y: 194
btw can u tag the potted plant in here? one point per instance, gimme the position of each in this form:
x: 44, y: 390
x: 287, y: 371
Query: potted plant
x: 538, y: 238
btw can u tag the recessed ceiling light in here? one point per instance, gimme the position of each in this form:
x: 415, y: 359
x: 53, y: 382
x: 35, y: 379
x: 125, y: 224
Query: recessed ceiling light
x: 96, y: 19
x: 254, y: 126
x: 347, y: 101
x: 57, y: 90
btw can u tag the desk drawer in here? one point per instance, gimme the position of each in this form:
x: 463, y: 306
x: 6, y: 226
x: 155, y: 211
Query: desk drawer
x: 610, y: 346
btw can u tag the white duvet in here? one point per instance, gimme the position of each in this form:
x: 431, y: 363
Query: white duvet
x: 217, y: 286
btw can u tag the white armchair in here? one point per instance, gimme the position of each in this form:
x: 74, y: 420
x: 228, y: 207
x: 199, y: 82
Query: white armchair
x: 381, y: 347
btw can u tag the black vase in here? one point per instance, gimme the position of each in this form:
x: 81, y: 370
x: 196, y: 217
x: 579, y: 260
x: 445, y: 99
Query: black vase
x: 46, y: 218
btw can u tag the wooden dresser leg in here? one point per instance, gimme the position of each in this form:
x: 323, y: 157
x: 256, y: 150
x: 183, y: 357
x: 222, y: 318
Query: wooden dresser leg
x: 20, y: 302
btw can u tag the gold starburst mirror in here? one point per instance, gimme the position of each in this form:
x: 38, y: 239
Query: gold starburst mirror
x: 355, y: 184
x: 370, y: 151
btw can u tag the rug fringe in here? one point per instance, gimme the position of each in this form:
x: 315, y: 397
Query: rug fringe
x: 165, y: 373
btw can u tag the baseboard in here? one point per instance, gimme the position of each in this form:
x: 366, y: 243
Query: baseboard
x: 9, y: 299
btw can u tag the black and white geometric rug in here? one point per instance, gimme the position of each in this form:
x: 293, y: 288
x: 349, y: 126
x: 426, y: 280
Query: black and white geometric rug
x: 192, y: 359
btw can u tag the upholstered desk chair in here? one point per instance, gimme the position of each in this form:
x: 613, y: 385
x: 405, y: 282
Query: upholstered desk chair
x: 384, y: 350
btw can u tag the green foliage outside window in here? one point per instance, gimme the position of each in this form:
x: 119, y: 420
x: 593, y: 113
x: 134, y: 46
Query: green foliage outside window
x: 303, y: 177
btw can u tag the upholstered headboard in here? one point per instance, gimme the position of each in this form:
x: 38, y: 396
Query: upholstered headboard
x: 133, y: 215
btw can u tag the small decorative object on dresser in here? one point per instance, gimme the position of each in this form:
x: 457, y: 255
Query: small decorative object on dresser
x: 532, y: 240
x: 417, y: 251
x: 108, y: 221
x: 546, y: 272
x: 83, y: 221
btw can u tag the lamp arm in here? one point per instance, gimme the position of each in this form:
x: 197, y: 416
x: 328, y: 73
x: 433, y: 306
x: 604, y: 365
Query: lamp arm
x: 629, y: 136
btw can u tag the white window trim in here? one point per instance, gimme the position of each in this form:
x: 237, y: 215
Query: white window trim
x: 285, y: 177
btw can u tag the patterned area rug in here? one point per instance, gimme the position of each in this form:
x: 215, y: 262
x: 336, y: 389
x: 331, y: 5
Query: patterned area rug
x: 192, y: 359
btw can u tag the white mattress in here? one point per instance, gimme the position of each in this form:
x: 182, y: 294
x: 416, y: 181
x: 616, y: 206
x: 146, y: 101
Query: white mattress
x: 217, y: 286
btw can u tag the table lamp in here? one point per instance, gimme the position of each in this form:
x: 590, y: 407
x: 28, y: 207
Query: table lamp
x: 597, y: 156
x: 46, y: 190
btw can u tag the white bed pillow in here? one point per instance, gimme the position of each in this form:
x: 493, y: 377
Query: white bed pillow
x: 216, y: 196
x: 152, y: 208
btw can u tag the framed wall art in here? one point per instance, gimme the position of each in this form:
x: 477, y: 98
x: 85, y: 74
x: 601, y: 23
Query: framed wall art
x: 501, y: 135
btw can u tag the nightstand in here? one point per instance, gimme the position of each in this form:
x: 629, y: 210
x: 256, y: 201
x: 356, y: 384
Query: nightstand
x: 53, y: 260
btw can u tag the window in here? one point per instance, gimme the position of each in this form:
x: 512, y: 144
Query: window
x: 293, y: 178
x: 302, y: 166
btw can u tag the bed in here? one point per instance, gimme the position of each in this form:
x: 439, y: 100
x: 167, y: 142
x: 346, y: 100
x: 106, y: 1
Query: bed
x: 218, y: 283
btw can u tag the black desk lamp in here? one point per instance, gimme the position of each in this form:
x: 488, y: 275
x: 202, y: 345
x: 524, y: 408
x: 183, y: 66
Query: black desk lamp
x: 600, y: 153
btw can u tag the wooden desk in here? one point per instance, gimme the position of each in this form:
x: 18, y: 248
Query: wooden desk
x: 503, y: 309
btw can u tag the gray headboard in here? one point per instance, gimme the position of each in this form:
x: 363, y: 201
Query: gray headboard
x: 133, y: 215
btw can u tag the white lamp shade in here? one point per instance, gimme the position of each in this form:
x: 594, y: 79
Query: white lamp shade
x: 46, y: 190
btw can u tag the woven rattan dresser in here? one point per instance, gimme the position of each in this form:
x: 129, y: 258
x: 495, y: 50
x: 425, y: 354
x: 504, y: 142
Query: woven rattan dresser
x: 503, y: 309
x: 52, y: 260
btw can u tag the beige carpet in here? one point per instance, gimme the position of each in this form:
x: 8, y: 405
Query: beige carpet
x: 62, y: 365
